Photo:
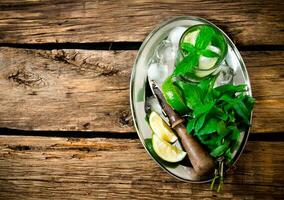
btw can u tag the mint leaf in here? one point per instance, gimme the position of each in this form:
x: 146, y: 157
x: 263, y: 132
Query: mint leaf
x: 238, y: 105
x: 204, y: 37
x: 242, y: 110
x: 186, y: 65
x: 189, y: 48
x: 207, y: 84
x: 230, y: 89
x: 235, y: 133
x: 231, y: 115
x: 191, y: 93
x: 229, y: 155
x: 219, y: 113
x: 200, y: 122
x: 209, y: 53
x: 217, y: 152
x: 209, y: 140
x: 228, y: 99
x: 222, y: 130
x: 209, y: 127
x: 249, y: 102
x: 206, y: 87
x: 203, y: 109
x: 190, y: 125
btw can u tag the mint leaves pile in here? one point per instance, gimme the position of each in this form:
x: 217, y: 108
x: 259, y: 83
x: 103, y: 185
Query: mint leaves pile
x: 217, y: 115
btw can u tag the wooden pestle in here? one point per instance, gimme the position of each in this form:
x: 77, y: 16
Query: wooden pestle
x: 201, y: 161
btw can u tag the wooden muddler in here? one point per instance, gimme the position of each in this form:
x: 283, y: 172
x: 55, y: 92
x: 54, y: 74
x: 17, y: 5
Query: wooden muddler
x: 201, y: 161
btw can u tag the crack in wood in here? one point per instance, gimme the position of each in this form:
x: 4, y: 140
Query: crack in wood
x: 19, y: 147
x: 22, y: 76
x: 71, y: 145
x: 81, y: 64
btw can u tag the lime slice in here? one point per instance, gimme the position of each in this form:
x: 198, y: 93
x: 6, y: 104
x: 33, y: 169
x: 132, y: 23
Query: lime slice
x: 191, y: 37
x: 214, y: 49
x: 166, y: 151
x: 201, y: 74
x: 160, y: 128
x: 206, y: 66
x: 173, y: 96
x: 207, y: 63
x: 149, y: 146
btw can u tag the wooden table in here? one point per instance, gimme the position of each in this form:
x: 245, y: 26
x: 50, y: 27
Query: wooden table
x: 67, y: 131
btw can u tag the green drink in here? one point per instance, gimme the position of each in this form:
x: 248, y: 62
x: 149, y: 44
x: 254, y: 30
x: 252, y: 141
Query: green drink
x: 202, y: 49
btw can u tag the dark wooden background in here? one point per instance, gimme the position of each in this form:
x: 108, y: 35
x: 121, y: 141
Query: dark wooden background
x: 66, y: 127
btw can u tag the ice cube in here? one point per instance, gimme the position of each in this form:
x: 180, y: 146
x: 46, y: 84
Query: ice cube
x: 169, y: 58
x: 160, y: 50
x: 175, y: 35
x: 166, y: 55
x: 157, y: 72
x: 153, y: 104
x: 225, y: 76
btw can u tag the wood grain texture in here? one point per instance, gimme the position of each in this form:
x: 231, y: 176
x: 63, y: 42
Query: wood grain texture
x: 65, y: 90
x: 248, y: 22
x: 266, y: 72
x: 61, y: 168
x: 89, y: 90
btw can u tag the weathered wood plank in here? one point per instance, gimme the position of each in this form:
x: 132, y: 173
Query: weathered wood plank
x: 89, y: 90
x: 266, y: 71
x: 60, y: 168
x: 249, y: 22
x: 65, y: 90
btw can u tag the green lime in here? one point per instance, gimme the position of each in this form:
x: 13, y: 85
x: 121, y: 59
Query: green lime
x: 167, y: 151
x: 161, y: 128
x: 149, y: 146
x: 173, y: 96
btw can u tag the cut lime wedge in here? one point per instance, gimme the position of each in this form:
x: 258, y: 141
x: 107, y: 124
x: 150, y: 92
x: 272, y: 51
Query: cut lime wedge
x: 160, y: 128
x: 166, y: 151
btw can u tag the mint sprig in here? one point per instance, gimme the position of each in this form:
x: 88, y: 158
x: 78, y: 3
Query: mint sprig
x: 208, y: 35
x: 218, y: 115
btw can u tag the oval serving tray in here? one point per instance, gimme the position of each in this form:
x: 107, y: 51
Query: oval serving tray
x: 139, y: 86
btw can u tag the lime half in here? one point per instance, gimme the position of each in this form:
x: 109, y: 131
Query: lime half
x: 166, y: 151
x: 173, y: 96
x: 160, y: 128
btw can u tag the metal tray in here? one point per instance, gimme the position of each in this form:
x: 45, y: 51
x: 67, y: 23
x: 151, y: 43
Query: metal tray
x: 138, y: 85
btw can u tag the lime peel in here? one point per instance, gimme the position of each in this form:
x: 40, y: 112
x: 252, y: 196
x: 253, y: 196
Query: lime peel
x: 173, y: 96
